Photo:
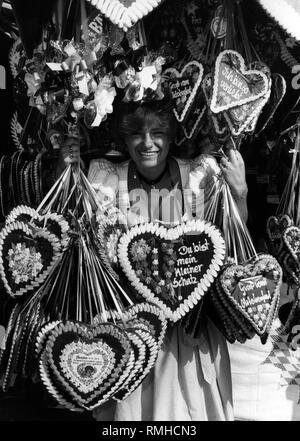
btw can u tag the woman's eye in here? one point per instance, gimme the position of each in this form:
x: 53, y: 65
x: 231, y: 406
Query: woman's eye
x: 158, y: 134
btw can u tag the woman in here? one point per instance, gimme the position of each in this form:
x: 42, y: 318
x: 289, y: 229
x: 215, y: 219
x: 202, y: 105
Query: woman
x: 191, y: 379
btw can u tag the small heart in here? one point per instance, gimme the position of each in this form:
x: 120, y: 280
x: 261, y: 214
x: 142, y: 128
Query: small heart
x: 234, y: 84
x: 87, y: 364
x: 26, y: 257
x: 184, y: 87
x: 254, y: 290
x: 275, y: 228
x: 291, y: 239
x: 173, y: 267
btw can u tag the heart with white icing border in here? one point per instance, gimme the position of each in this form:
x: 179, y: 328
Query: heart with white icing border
x: 86, y: 364
x: 234, y: 84
x: 173, y: 267
x: 26, y: 257
x: 275, y: 228
x: 125, y: 13
x: 184, y: 87
x: 291, y: 239
x: 240, y: 117
x: 54, y: 223
x: 254, y: 289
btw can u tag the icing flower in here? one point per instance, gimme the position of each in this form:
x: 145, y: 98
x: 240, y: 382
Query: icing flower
x: 139, y: 250
x: 24, y: 263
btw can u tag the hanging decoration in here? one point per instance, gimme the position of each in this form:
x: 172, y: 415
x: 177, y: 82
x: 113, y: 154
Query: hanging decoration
x: 283, y: 228
x: 244, y: 299
x: 74, y: 323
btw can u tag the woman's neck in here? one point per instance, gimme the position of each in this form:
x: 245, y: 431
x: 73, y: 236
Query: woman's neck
x: 153, y: 173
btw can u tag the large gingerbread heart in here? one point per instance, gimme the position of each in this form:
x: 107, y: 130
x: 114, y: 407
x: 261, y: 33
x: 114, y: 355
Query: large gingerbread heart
x: 125, y: 13
x: 275, y: 228
x: 173, y: 267
x: 234, y: 84
x: 254, y: 290
x: 86, y: 364
x: 26, y: 257
x: 184, y: 86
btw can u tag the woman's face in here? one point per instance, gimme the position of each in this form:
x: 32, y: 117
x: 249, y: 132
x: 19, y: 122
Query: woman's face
x: 149, y: 145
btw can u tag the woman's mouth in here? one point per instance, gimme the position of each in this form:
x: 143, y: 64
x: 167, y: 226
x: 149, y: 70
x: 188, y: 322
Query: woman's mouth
x: 149, y: 154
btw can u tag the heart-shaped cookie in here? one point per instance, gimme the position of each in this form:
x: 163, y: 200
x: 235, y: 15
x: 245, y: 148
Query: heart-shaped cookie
x: 278, y: 91
x: 291, y: 239
x: 195, y: 119
x: 26, y: 257
x: 275, y: 228
x: 150, y: 315
x: 234, y: 84
x: 173, y: 267
x: 239, y: 118
x: 53, y: 222
x: 254, y: 290
x: 184, y: 87
x: 87, y: 364
x: 125, y: 13
x: 149, y: 359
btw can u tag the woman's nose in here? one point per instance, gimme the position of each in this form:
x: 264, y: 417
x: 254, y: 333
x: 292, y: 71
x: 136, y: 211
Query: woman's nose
x: 148, y: 141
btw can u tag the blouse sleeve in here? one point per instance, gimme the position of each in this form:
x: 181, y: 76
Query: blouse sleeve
x: 104, y: 179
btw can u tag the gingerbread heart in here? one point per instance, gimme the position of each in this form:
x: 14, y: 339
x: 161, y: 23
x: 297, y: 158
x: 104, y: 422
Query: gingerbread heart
x: 173, y: 267
x: 184, y: 87
x: 87, y: 364
x: 217, y: 121
x: 125, y: 13
x: 146, y: 364
x: 254, y: 290
x: 234, y: 84
x: 291, y: 239
x: 278, y: 92
x: 239, y: 118
x: 54, y: 223
x: 150, y: 315
x: 275, y: 228
x: 291, y: 270
x: 26, y: 257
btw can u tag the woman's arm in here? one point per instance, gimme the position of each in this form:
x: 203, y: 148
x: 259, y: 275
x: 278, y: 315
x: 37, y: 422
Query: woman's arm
x: 233, y: 169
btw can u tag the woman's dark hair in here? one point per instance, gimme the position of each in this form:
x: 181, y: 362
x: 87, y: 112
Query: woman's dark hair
x: 131, y: 117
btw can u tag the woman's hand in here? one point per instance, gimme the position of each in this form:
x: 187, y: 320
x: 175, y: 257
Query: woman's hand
x: 69, y: 152
x: 233, y: 169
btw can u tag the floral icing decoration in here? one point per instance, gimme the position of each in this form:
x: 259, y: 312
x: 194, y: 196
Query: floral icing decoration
x: 24, y: 263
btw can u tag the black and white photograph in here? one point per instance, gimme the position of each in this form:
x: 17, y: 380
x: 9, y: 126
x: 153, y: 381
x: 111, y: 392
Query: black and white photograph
x: 149, y: 215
